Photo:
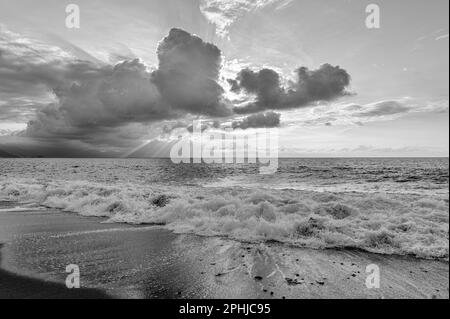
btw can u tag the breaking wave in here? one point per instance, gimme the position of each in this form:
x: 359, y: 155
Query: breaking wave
x: 387, y: 224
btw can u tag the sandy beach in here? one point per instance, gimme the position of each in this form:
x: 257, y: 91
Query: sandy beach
x: 123, y: 261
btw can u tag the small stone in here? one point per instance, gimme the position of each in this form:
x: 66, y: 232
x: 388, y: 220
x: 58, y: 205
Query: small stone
x: 292, y: 282
x: 161, y: 201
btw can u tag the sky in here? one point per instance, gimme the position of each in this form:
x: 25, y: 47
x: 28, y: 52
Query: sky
x: 136, y: 73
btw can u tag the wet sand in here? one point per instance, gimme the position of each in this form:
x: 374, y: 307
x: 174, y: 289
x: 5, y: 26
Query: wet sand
x: 13, y: 286
x: 123, y: 261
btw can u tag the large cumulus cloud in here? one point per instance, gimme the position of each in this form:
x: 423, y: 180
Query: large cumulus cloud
x: 188, y: 74
x: 97, y: 103
x: 91, y: 98
x: 324, y: 84
x: 102, y: 97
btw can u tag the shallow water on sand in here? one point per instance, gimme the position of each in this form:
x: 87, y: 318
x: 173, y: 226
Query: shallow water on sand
x: 150, y: 262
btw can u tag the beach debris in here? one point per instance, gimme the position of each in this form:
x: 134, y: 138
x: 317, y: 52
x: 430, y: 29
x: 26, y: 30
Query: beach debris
x: 293, y: 282
x: 258, y: 278
x: 116, y: 207
x: 14, y: 193
x: 160, y: 201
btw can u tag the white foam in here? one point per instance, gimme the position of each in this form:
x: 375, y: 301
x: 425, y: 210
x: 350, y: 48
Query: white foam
x: 100, y: 231
x: 20, y: 209
x: 389, y: 224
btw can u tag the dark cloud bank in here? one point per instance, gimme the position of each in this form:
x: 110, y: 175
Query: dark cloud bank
x: 325, y: 84
x: 92, y: 97
x: 99, y: 104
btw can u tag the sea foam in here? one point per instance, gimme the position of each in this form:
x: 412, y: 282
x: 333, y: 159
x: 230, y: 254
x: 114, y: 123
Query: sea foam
x: 380, y: 223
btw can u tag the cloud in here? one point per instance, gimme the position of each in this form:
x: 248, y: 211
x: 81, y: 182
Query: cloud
x: 188, y: 74
x: 28, y: 67
x: 167, y: 129
x: 93, y: 104
x: 19, y: 110
x: 85, y: 100
x: 261, y: 120
x: 347, y: 114
x: 324, y: 84
x: 98, y: 98
x: 223, y: 13
x: 383, y: 108
x: 442, y: 37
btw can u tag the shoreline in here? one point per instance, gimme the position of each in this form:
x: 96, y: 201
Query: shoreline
x: 125, y: 261
x: 13, y: 286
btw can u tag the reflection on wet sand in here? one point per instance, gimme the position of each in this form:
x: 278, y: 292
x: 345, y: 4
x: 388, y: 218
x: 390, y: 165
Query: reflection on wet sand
x: 13, y: 286
x: 128, y: 261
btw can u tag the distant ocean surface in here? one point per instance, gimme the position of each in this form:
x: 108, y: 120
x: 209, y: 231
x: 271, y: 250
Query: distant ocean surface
x: 391, y: 206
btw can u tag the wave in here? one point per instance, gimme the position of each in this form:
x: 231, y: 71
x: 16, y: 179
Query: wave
x: 386, y: 224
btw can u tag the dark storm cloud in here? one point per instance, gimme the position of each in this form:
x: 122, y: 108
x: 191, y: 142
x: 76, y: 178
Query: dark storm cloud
x: 16, y: 110
x: 101, y: 98
x: 99, y: 104
x: 93, y: 97
x: 324, y: 84
x: 188, y: 74
x: 261, y: 120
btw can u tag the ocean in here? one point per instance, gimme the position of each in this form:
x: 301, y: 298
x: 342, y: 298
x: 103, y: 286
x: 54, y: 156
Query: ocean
x: 387, y: 206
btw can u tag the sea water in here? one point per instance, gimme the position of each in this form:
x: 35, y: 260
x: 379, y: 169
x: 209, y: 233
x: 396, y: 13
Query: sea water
x: 389, y: 206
